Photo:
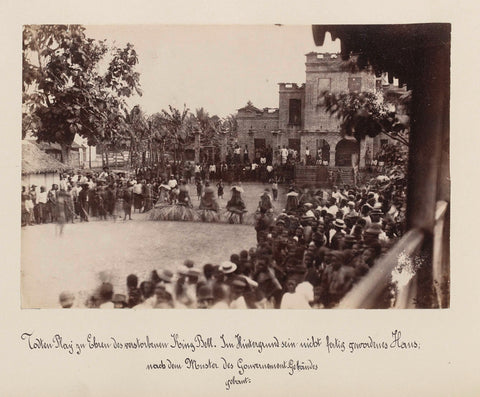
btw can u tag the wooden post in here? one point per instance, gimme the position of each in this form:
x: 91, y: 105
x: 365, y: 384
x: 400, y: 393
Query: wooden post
x: 430, y: 98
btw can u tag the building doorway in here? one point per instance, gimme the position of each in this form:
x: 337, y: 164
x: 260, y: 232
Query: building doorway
x: 323, y: 152
x: 294, y: 144
x: 260, y: 146
x: 345, y: 150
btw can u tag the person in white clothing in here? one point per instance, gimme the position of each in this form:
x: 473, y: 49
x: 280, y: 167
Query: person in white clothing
x: 300, y: 299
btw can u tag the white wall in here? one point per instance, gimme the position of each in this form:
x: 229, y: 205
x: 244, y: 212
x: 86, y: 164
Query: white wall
x: 46, y: 180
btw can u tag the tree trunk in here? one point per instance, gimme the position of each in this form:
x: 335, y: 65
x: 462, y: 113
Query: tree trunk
x: 162, y: 153
x: 197, y: 147
x: 66, y: 151
x: 100, y: 148
x: 131, y: 153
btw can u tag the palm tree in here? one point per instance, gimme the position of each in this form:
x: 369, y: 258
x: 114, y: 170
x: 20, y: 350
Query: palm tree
x: 178, y: 129
x: 136, y: 130
x: 230, y: 128
x: 208, y: 127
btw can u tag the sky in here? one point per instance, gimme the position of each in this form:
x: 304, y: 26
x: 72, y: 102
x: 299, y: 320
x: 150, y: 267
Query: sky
x: 217, y: 67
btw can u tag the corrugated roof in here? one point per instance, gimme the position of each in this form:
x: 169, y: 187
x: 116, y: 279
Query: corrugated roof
x: 36, y: 161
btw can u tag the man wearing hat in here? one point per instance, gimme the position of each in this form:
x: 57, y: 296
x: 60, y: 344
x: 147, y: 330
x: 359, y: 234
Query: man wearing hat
x: 374, y: 233
x: 376, y: 213
x: 228, y: 269
x: 337, y: 234
x: 365, y: 214
x: 238, y: 288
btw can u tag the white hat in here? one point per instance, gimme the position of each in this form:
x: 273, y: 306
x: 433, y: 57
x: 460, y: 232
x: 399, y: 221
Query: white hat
x: 309, y: 214
x: 227, y: 267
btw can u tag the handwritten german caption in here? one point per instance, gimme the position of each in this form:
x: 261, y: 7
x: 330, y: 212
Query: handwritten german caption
x: 291, y: 356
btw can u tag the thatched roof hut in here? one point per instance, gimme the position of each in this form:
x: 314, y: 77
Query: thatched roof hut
x: 36, y: 161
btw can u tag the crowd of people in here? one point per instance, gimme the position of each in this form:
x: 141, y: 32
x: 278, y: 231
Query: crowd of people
x: 109, y: 195
x: 80, y: 197
x: 308, y: 256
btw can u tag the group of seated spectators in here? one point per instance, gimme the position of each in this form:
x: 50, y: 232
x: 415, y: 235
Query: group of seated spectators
x: 308, y: 256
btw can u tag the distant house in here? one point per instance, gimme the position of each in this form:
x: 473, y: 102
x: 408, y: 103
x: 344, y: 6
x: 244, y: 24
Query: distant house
x: 38, y: 167
x: 77, y: 152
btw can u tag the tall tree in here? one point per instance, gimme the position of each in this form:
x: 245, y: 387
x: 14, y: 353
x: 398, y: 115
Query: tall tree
x: 178, y: 129
x: 208, y: 126
x: 230, y: 130
x: 158, y: 134
x: 136, y: 132
x: 65, y: 93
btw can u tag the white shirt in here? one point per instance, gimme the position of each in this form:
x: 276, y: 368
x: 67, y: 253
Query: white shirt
x: 333, y: 210
x: 239, y: 303
x: 337, y: 196
x: 42, y: 197
x: 75, y: 191
x: 295, y: 301
x: 137, y: 189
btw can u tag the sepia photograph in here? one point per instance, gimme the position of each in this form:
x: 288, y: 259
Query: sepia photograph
x: 235, y: 166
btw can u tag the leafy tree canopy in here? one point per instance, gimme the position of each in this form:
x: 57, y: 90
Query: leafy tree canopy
x: 369, y: 114
x: 64, y: 91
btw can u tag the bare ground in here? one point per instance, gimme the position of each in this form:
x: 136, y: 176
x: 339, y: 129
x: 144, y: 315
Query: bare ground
x: 89, y: 253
